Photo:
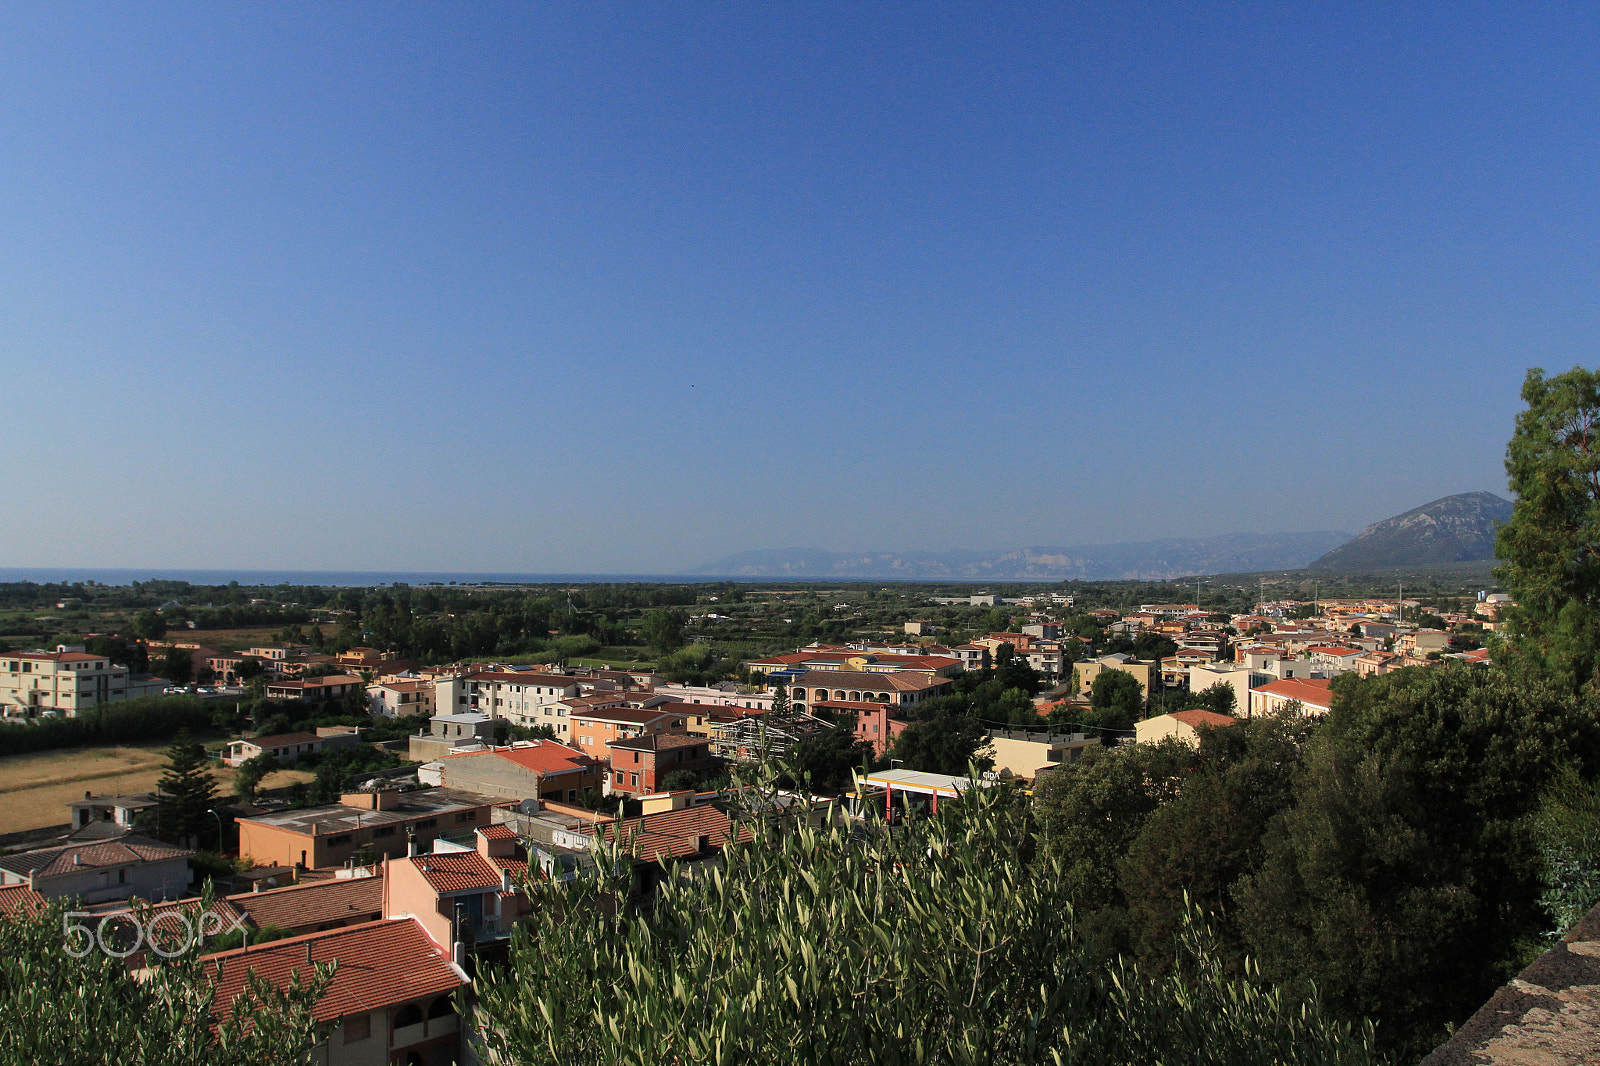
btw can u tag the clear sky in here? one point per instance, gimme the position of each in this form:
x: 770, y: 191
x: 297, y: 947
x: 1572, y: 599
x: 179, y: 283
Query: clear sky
x: 628, y: 287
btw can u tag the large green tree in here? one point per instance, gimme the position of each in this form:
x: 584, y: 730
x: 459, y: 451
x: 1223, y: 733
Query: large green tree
x: 1116, y: 701
x: 186, y: 794
x: 1551, y: 546
x: 178, y: 666
x: 944, y: 746
x: 1092, y: 811
x: 1404, y: 881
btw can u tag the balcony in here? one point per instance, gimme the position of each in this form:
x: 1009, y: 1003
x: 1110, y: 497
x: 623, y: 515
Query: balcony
x: 426, y: 1030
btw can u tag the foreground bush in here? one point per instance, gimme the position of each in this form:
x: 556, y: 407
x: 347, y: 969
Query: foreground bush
x: 947, y: 941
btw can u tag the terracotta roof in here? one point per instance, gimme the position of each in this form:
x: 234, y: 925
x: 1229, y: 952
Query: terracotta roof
x: 625, y: 715
x: 50, y: 862
x: 658, y: 742
x: 313, y: 903
x: 380, y: 964
x: 1312, y: 690
x: 1198, y: 717
x: 460, y: 871
x: 497, y: 831
x: 18, y: 899
x: 671, y: 834
x: 899, y: 680
x: 546, y: 757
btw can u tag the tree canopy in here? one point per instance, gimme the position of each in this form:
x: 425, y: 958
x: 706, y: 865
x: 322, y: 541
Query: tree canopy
x: 1551, y: 545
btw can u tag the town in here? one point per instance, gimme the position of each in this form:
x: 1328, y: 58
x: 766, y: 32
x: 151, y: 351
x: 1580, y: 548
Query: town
x: 439, y: 788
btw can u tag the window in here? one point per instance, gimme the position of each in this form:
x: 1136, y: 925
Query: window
x: 386, y: 831
x: 357, y: 1027
x: 342, y: 838
x: 466, y: 816
x: 633, y: 779
x: 428, y: 824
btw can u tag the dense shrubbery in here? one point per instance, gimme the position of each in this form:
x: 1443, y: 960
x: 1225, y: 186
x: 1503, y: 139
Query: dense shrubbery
x: 129, y: 722
x: 949, y: 940
x: 90, y: 1011
x: 1388, y: 855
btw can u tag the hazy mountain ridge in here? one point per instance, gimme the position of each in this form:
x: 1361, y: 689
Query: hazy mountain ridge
x: 1156, y: 559
x: 1452, y: 529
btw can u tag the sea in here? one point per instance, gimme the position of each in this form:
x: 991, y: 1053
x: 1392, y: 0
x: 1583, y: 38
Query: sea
x: 334, y: 578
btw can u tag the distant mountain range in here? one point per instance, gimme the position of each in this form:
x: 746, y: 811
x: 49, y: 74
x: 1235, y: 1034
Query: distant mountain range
x: 1454, y: 529
x: 1232, y: 553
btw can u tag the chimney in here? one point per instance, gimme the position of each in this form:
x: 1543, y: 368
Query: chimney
x: 255, y: 886
x: 308, y: 952
x: 77, y: 860
x: 413, y: 849
x: 505, y: 880
x: 88, y: 794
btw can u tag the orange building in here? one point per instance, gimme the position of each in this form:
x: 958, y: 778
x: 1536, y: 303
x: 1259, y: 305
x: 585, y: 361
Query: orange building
x: 361, y: 825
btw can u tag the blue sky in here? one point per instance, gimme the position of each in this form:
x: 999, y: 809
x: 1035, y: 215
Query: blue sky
x: 597, y: 287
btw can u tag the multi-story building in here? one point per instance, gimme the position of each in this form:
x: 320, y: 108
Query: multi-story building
x: 1314, y: 696
x: 516, y: 696
x: 65, y: 681
x: 853, y: 661
x: 316, y: 690
x: 465, y: 894
x: 1144, y: 672
x: 396, y: 699
x: 640, y: 765
x: 902, y: 688
x: 527, y: 769
x: 594, y: 729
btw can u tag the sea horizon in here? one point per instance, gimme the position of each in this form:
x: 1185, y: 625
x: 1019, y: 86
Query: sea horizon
x: 113, y: 575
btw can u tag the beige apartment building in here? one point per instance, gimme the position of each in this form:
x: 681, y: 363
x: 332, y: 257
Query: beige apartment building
x: 64, y: 681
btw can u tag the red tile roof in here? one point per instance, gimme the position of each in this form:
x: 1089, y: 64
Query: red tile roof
x: 658, y: 742
x: 380, y: 964
x: 18, y: 899
x: 1316, y: 691
x: 671, y: 834
x: 497, y: 831
x: 49, y: 862
x: 313, y: 903
x: 1198, y: 717
x: 460, y: 871
x: 623, y: 715
x: 541, y: 756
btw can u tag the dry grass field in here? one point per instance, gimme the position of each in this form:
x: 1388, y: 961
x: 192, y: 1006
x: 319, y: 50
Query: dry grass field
x: 35, y: 788
x: 213, y: 638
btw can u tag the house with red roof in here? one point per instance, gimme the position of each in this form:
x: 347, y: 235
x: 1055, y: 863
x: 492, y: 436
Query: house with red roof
x: 1182, y: 725
x: 1313, y: 694
x: 391, y: 999
x: 97, y: 871
x: 594, y: 728
x: 470, y: 895
x: 640, y: 764
x: 526, y: 769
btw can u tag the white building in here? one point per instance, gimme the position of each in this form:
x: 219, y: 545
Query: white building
x: 66, y: 681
